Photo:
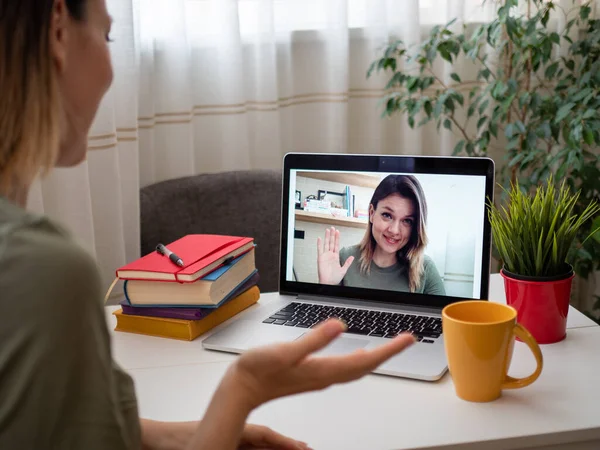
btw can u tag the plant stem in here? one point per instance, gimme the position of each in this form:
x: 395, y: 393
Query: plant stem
x: 528, y: 70
x: 451, y: 117
x: 462, y: 130
x: 541, y: 83
x: 486, y: 66
x: 508, y: 75
x: 437, y: 78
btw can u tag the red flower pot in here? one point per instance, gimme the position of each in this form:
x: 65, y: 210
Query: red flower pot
x: 542, y: 303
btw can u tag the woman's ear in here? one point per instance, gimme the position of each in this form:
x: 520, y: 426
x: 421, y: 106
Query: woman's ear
x: 58, y: 34
x: 371, y: 212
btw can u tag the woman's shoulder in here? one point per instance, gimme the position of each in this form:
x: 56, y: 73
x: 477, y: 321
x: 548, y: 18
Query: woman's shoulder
x: 352, y: 250
x: 429, y: 264
x: 14, y: 219
x: 428, y: 261
x: 33, y: 247
x: 432, y: 278
x: 430, y: 270
x: 47, y: 246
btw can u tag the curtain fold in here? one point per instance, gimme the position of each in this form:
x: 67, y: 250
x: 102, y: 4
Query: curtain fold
x: 215, y: 85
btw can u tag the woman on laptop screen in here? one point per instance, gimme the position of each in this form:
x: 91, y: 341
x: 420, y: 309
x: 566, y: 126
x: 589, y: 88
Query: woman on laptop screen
x: 391, y: 254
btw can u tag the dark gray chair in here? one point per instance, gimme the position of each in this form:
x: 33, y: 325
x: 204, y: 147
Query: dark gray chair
x: 239, y: 203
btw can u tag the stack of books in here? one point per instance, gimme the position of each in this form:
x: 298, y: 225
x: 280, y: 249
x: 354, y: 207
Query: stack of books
x: 197, y: 283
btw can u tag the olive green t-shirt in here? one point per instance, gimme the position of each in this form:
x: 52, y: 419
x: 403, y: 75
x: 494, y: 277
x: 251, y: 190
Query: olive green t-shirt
x: 392, y: 278
x: 59, y: 387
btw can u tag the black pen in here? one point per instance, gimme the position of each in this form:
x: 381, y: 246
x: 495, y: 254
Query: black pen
x: 172, y: 256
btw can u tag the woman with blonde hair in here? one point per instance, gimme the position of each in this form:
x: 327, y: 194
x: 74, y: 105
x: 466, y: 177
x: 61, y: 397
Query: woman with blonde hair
x: 391, y: 254
x: 59, y: 387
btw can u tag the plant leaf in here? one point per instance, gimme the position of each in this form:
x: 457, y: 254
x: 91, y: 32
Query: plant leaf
x: 483, y: 106
x: 588, y: 137
x: 551, y: 70
x: 458, y: 148
x: 596, y: 226
x: 563, y: 112
x: 584, y: 12
x: 481, y: 121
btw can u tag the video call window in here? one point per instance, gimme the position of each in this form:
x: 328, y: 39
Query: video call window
x: 419, y: 233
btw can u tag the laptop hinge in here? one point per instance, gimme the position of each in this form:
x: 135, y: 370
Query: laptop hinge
x: 370, y: 303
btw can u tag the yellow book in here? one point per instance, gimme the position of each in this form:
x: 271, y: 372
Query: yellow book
x: 186, y: 330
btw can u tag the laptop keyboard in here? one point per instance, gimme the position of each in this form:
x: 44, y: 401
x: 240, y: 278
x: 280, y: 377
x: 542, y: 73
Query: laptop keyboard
x: 359, y: 321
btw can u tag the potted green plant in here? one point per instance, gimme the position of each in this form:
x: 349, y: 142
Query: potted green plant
x: 508, y: 95
x: 533, y: 236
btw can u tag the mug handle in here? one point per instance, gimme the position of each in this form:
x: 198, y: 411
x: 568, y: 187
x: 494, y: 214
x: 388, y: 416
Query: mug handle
x: 515, y: 383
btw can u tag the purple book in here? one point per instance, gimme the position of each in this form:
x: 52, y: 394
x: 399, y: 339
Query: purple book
x: 185, y: 313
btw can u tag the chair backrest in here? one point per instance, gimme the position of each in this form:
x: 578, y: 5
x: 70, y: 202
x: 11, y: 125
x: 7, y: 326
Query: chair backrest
x: 239, y: 203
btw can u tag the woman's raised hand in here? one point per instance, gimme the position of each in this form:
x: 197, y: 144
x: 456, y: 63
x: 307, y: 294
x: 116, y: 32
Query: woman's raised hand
x: 328, y: 258
x: 278, y: 370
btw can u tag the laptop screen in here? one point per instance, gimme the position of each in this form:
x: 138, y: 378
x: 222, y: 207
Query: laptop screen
x: 399, y: 229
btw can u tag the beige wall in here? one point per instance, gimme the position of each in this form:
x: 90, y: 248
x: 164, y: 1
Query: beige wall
x: 305, y: 250
x: 310, y: 186
x: 305, y: 253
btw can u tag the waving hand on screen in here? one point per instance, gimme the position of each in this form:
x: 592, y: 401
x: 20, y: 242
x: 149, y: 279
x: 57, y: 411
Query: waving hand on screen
x: 328, y: 258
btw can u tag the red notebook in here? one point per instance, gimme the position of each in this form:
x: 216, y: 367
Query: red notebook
x: 201, y: 254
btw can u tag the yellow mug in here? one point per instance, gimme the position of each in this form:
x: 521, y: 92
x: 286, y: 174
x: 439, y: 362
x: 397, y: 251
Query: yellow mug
x: 479, y: 338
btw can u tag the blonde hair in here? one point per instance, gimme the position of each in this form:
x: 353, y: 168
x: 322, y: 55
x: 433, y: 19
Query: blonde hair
x: 30, y: 108
x: 412, y: 253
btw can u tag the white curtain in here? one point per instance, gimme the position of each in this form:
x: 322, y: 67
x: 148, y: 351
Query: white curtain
x: 215, y: 85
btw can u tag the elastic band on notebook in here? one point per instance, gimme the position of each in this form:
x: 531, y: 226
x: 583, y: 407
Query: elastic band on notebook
x: 110, y: 289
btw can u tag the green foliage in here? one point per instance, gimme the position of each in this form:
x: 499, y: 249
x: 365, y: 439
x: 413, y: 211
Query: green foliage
x: 596, y: 226
x: 546, y: 109
x: 534, y: 235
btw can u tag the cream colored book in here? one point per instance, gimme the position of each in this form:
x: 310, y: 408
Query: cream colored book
x: 210, y: 290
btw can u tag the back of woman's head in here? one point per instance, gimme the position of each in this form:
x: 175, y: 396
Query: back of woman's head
x: 407, y: 186
x: 30, y: 111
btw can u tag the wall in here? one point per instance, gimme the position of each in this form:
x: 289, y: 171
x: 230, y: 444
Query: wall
x: 305, y: 253
x: 454, y: 227
x: 310, y: 186
x: 305, y: 250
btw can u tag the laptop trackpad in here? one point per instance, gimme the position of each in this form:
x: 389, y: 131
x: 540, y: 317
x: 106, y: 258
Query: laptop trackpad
x: 342, y: 346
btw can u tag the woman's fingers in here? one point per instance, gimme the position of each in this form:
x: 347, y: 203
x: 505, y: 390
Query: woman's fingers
x: 347, y: 264
x: 314, y: 340
x: 290, y: 368
x: 331, y: 243
x: 355, y: 365
x: 378, y: 355
x: 336, y: 241
x: 327, y: 240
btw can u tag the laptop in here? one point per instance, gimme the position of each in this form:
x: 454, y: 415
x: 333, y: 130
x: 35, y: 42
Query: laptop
x: 415, y: 232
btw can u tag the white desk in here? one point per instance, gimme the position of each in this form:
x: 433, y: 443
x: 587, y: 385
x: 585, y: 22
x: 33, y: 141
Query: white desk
x: 134, y: 351
x: 175, y: 380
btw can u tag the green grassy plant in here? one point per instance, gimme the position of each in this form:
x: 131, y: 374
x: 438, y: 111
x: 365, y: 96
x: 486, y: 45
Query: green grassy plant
x: 535, y: 234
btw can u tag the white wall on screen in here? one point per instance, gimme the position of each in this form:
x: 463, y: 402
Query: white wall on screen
x: 289, y: 265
